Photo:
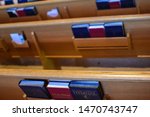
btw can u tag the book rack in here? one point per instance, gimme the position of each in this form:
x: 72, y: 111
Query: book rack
x: 103, y: 43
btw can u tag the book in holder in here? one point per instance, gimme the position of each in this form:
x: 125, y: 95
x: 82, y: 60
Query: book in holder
x: 34, y: 88
x: 114, y: 4
x: 97, y: 30
x: 114, y: 29
x: 21, y: 12
x: 128, y: 3
x: 59, y: 89
x: 102, y: 4
x: 8, y: 2
x: 30, y: 11
x: 81, y: 30
x: 22, y: 1
x: 86, y: 90
x: 12, y: 12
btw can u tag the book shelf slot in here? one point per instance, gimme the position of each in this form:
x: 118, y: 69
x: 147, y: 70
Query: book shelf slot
x: 103, y: 43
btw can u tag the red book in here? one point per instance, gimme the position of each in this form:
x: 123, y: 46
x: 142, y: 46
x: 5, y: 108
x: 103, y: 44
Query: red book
x: 114, y: 4
x: 21, y: 12
x: 97, y: 30
x: 60, y: 90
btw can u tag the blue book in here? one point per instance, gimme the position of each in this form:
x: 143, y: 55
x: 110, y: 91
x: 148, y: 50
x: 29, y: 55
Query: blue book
x: 127, y: 3
x: 22, y: 1
x: 86, y: 90
x: 8, y: 2
x: 12, y: 12
x: 81, y: 30
x: 102, y: 4
x: 34, y: 88
x: 114, y: 29
x: 30, y: 11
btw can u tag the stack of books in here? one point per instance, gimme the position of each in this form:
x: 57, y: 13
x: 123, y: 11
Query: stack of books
x: 113, y: 4
x: 62, y: 89
x: 110, y: 29
x: 20, y: 12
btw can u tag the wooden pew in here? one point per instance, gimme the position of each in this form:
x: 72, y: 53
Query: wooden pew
x: 57, y: 41
x: 118, y: 83
x: 71, y: 9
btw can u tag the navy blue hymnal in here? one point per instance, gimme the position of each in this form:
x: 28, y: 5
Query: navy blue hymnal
x: 30, y: 11
x: 86, y: 90
x: 102, y: 4
x: 114, y: 29
x: 127, y: 3
x: 12, y: 12
x: 7, y: 2
x: 22, y: 1
x: 34, y: 88
x: 81, y: 30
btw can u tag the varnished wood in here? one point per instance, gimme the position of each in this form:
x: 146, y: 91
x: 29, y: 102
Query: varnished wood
x: 118, y: 83
x: 47, y: 63
x: 103, y: 43
x: 3, y: 45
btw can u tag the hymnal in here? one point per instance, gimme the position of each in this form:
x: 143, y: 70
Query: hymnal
x: 22, y: 1
x: 114, y: 4
x: 59, y: 89
x: 18, y: 38
x: 30, y: 11
x: 114, y: 29
x: 81, y: 30
x: 34, y: 88
x: 86, y: 90
x: 102, y: 4
x: 12, y: 12
x: 127, y: 3
x: 97, y: 30
x: 21, y: 12
x: 8, y: 2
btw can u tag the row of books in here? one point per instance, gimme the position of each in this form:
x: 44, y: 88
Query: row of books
x: 62, y: 89
x: 112, y: 4
x: 20, y: 12
x: 109, y: 29
x: 10, y: 2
